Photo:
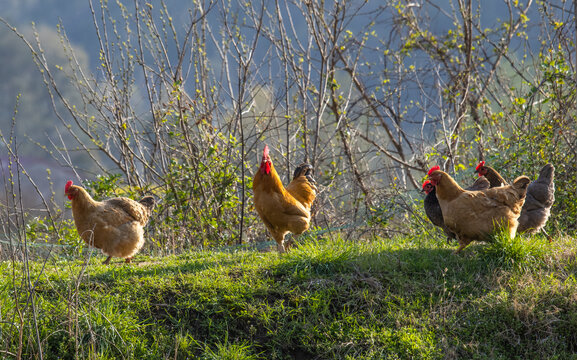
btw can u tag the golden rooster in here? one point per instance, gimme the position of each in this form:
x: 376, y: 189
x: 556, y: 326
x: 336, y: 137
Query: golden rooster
x: 115, y: 226
x: 283, y: 210
x: 474, y: 215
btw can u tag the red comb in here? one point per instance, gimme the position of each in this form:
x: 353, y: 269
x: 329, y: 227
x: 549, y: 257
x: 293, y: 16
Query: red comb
x: 426, y: 183
x: 265, y: 151
x: 434, y: 168
x: 68, y: 185
x: 481, y: 164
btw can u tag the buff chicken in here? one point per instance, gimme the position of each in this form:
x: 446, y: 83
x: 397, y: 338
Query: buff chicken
x: 433, y: 209
x: 475, y: 215
x: 115, y: 226
x: 539, y: 200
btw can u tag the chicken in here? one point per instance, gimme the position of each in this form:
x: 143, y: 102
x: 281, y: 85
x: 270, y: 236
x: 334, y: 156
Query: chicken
x: 115, y: 226
x: 493, y: 176
x: 433, y: 209
x: 475, y: 215
x: 283, y: 210
x: 539, y: 200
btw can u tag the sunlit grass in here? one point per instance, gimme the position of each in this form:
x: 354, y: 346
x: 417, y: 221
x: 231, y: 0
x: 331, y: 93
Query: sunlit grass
x: 521, y: 251
x: 330, y: 297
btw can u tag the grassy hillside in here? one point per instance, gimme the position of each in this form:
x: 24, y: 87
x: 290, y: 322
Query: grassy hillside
x: 329, y: 299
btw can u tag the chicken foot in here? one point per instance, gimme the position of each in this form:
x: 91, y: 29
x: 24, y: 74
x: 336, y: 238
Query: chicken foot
x: 549, y: 237
x: 127, y: 260
x: 462, y: 244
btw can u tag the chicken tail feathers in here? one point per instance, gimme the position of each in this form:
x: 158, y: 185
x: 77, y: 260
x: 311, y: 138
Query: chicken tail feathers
x: 521, y: 183
x: 148, y: 202
x: 547, y: 174
x: 306, y: 170
x: 482, y: 183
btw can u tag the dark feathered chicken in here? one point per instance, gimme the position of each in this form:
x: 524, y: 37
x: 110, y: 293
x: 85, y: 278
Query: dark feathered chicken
x: 539, y: 199
x: 433, y: 209
x: 538, y: 203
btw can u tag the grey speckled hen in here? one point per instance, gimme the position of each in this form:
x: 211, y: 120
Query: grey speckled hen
x: 538, y: 203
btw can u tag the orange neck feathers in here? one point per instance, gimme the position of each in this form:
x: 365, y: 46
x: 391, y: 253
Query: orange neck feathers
x: 269, y: 179
x: 80, y: 198
x: 447, y: 187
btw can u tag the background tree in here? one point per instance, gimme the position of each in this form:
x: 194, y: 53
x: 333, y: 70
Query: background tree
x: 181, y: 102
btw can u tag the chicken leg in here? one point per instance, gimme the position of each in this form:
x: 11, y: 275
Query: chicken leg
x: 462, y: 244
x: 280, y: 245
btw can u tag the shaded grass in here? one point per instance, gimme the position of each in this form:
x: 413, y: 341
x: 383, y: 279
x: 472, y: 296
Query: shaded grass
x: 408, y: 297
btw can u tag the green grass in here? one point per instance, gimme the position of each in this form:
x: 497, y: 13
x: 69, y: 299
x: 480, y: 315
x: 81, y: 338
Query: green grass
x: 402, y: 298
